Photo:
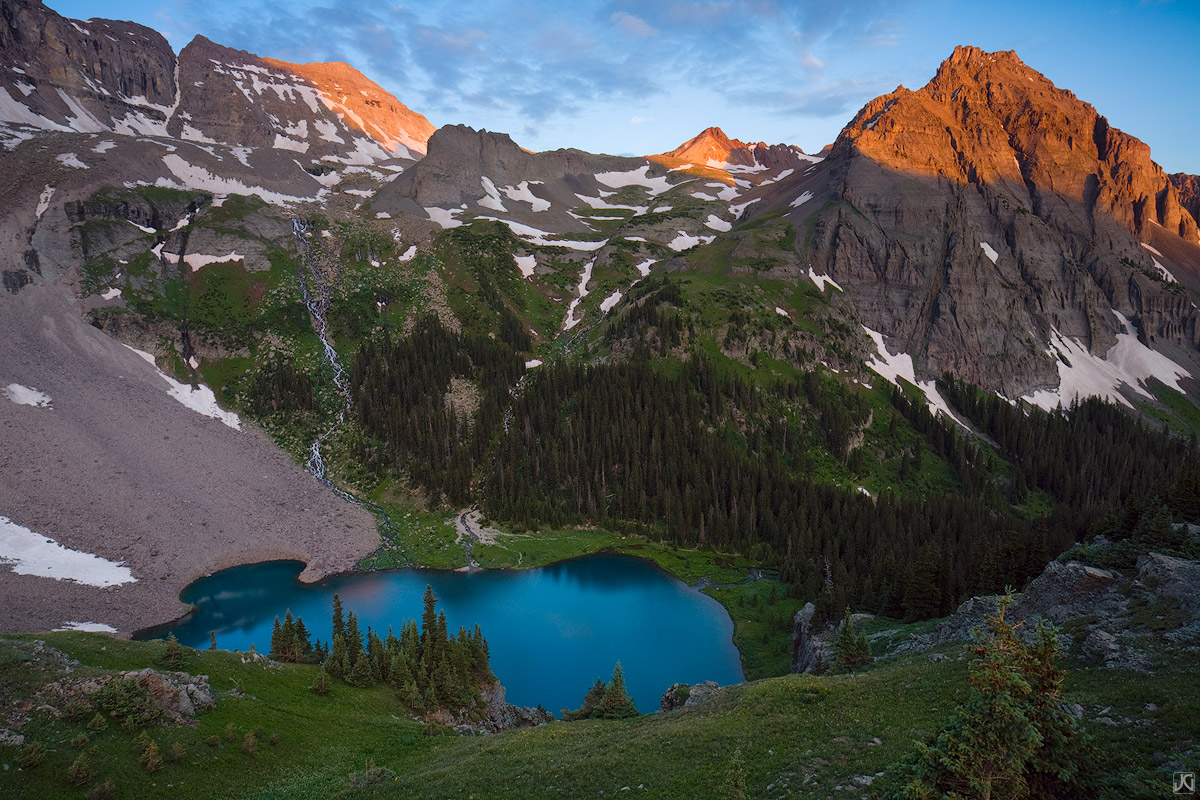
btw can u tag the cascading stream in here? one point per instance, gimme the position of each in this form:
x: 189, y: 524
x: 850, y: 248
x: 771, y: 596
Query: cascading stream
x: 317, y: 303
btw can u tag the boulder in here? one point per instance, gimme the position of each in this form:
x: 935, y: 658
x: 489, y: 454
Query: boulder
x: 701, y: 693
x: 1168, y: 577
x: 503, y: 716
x: 178, y: 694
x: 674, y: 697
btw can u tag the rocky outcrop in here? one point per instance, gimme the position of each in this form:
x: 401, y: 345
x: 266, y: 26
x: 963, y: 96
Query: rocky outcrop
x: 977, y: 218
x: 178, y: 694
x: 810, y: 652
x: 682, y: 695
x: 1110, y: 606
x: 503, y: 716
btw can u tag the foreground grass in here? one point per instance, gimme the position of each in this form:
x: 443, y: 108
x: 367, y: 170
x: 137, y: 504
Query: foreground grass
x: 800, y: 736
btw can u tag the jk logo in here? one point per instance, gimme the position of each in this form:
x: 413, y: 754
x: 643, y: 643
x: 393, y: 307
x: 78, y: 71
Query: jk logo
x: 1184, y: 783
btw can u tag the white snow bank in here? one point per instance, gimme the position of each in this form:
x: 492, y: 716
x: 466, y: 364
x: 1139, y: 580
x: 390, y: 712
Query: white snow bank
x: 900, y: 365
x: 200, y: 399
x: 821, y: 280
x: 25, y: 396
x: 1167, y: 276
x: 91, y: 627
x: 408, y: 254
x: 635, y: 177
x: 539, y: 237
x: 71, y: 160
x: 44, y: 201
x: 702, y: 196
x: 717, y: 224
x: 739, y: 209
x: 644, y: 267
x: 802, y: 199
x: 537, y: 362
x: 599, y: 202
x: 570, y: 321
x: 141, y: 228
x: 110, y: 294
x: 989, y: 251
x: 198, y: 260
x: 684, y: 240
x: 104, y: 146
x: 30, y: 553
x: 521, y: 193
x: 607, y: 303
x: 446, y: 217
x: 492, y: 199
x: 526, y: 265
x: 196, y: 177
x: 1128, y: 362
x: 782, y: 312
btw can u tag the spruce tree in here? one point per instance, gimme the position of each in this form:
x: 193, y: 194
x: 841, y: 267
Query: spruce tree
x: 360, y: 673
x: 590, y: 702
x: 335, y: 664
x: 173, y: 657
x: 616, y: 704
x: 321, y: 685
x: 339, y: 625
x: 212, y: 640
x: 1011, y: 737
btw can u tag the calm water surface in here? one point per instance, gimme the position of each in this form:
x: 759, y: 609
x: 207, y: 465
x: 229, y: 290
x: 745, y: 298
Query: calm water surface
x: 552, y: 631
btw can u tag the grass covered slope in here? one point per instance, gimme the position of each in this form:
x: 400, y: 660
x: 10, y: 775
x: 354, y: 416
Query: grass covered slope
x: 799, y: 735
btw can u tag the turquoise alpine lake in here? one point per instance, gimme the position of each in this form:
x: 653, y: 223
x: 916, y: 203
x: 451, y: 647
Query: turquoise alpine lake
x: 552, y: 631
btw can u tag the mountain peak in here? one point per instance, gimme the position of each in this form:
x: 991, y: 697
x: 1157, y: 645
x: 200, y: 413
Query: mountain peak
x: 713, y: 148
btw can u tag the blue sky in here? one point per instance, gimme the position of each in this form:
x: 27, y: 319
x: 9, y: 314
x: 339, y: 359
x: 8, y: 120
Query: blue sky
x: 642, y: 77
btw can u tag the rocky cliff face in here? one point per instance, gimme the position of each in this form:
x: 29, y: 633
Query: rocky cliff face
x: 990, y: 213
x: 92, y: 76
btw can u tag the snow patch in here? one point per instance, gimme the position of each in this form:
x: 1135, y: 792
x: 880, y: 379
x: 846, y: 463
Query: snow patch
x: 702, y: 196
x: 195, y: 177
x: 598, y: 202
x: 492, y: 200
x: 538, y: 237
x: 90, y: 627
x: 199, y: 399
x: 900, y: 365
x: 802, y: 199
x: 1167, y: 276
x: 197, y: 260
x: 535, y: 362
x: 570, y: 321
x: 522, y: 194
x: 821, y: 280
x: 739, y: 209
x: 782, y: 312
x: 110, y: 294
x: 71, y: 160
x: 446, y: 217
x: 1128, y: 362
x: 717, y: 224
x: 44, y: 201
x: 142, y: 228
x: 408, y: 254
x: 104, y: 146
x: 526, y: 265
x: 607, y: 303
x: 25, y: 396
x: 684, y: 240
x: 30, y: 553
x: 989, y: 251
x: 635, y: 177
x: 644, y: 267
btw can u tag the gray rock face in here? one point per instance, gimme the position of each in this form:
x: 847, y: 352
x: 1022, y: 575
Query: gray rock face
x: 1163, y: 576
x: 701, y: 693
x: 991, y: 153
x: 503, y: 716
x: 809, y: 652
x: 178, y: 694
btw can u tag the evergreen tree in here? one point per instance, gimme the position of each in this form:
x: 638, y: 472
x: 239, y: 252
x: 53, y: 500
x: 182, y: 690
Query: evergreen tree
x: 1011, y: 738
x: 321, y: 685
x: 173, y: 657
x: 616, y: 704
x: 335, y: 664
x: 851, y: 646
x: 339, y: 625
x: 591, y: 701
x: 276, y: 641
x: 360, y: 674
x: 212, y: 640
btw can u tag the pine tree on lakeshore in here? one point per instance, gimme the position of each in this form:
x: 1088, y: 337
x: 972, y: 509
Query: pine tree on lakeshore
x: 354, y: 644
x: 276, y: 640
x: 173, y: 656
x: 339, y: 624
x: 335, y: 664
x: 617, y: 704
x: 360, y: 673
x: 590, y: 701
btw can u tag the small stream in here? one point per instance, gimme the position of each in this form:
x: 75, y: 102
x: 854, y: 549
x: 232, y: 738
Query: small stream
x: 316, y: 298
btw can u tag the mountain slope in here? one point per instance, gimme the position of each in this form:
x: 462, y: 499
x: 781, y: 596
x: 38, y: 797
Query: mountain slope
x: 989, y: 222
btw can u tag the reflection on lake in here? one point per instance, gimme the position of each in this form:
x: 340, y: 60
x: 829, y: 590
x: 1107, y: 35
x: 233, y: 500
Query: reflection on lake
x: 552, y: 631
